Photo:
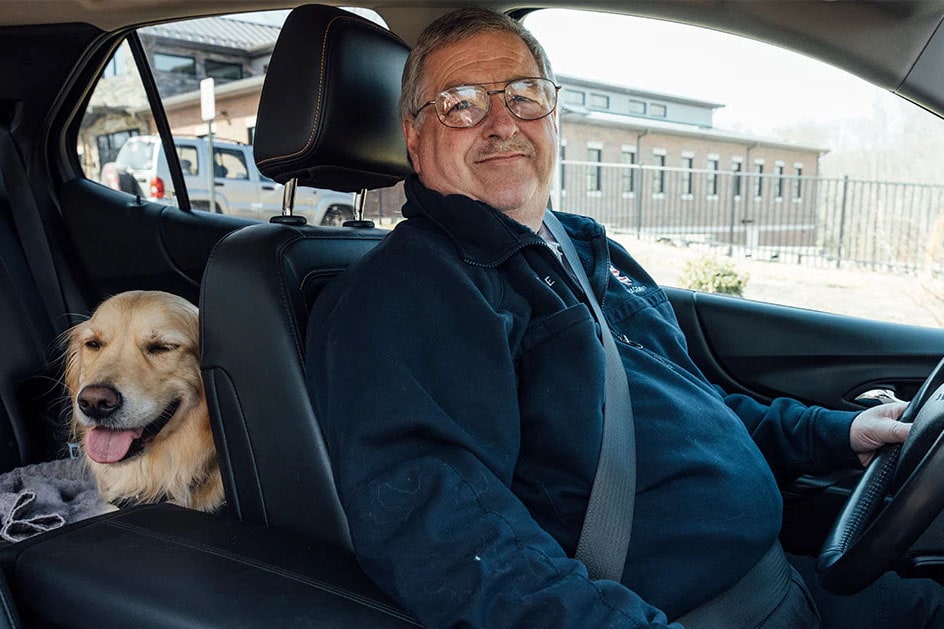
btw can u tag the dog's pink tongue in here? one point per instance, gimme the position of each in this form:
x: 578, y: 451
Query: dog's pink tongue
x: 109, y: 446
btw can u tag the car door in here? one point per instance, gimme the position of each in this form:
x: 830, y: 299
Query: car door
x: 236, y: 192
x: 120, y: 241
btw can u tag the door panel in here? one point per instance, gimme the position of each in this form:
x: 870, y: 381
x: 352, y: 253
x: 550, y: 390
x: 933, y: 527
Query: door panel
x: 124, y: 245
x: 819, y: 358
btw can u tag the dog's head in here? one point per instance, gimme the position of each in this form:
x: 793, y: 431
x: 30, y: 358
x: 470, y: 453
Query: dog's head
x: 133, y: 373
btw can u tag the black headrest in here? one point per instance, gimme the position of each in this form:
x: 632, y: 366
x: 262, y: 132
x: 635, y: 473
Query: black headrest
x: 328, y: 114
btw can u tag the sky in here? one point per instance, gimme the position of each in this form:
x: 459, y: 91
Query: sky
x: 748, y: 77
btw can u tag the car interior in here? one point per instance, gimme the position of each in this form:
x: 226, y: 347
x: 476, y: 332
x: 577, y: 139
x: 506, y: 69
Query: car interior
x: 280, y: 554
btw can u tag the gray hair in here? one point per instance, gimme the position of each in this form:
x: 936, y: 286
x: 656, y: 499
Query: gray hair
x: 454, y: 27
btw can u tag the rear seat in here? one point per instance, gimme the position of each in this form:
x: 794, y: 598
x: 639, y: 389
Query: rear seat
x: 285, y: 559
x: 28, y: 417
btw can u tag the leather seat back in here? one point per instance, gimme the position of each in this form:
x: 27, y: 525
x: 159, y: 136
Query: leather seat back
x: 328, y: 117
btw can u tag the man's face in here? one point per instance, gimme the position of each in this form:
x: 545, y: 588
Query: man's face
x: 503, y: 161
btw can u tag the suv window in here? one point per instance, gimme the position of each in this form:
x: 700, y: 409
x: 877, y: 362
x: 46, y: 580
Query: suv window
x: 188, y: 160
x: 230, y: 164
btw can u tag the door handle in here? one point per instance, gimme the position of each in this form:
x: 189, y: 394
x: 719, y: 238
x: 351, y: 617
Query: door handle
x: 874, y: 397
x: 268, y: 187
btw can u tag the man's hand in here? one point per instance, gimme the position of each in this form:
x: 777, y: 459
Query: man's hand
x: 876, y: 427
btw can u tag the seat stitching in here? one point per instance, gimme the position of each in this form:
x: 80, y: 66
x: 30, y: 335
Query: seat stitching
x: 321, y: 79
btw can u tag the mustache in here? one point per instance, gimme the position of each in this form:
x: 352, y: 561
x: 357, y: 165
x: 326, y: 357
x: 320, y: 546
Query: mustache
x: 500, y: 146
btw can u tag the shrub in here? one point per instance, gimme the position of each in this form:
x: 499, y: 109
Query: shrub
x: 713, y: 275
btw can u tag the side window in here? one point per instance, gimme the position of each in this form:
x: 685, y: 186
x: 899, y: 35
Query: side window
x: 118, y: 127
x: 117, y: 112
x: 188, y: 160
x: 230, y: 164
x: 809, y: 185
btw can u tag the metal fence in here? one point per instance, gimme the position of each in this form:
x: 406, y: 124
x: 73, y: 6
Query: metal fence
x: 800, y: 219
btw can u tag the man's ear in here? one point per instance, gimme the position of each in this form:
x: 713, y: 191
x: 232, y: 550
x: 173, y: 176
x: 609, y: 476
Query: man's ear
x: 411, y: 135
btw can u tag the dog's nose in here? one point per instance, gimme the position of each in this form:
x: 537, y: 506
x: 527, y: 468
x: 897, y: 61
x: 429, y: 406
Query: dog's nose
x: 99, y: 401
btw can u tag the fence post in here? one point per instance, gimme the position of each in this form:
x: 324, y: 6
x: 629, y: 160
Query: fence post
x: 842, y: 220
x: 732, y: 218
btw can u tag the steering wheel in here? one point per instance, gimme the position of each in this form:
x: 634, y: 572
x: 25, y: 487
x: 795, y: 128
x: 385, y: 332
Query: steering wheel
x: 872, y: 532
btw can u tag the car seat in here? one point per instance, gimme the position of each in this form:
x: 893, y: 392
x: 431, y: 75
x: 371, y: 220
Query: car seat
x: 327, y: 118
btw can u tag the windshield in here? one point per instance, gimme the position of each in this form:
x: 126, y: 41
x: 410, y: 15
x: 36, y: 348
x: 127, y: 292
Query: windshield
x: 136, y: 155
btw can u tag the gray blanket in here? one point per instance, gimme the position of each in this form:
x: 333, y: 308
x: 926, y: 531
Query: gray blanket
x: 45, y: 496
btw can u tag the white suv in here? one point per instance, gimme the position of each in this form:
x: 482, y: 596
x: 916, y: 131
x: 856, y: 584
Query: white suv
x: 239, y: 188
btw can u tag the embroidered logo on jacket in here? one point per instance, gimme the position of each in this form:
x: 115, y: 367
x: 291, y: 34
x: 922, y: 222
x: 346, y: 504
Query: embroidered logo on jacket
x: 626, y: 281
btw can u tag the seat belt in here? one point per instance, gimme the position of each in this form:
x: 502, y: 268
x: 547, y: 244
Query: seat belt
x: 607, y: 525
x: 29, y: 225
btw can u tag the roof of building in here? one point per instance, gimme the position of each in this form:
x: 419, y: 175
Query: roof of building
x: 573, y: 81
x: 580, y: 114
x: 226, y: 32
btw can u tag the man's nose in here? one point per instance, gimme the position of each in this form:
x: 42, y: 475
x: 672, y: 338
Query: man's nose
x: 499, y: 121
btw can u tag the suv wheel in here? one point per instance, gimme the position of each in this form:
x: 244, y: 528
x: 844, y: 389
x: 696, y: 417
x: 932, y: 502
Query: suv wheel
x: 336, y: 215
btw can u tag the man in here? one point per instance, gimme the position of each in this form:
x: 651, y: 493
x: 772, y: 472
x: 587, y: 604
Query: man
x: 465, y: 463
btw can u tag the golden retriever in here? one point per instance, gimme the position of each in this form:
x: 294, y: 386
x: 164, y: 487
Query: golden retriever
x: 138, y: 404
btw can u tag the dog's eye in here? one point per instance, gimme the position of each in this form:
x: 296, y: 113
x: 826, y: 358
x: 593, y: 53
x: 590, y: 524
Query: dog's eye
x: 160, y: 348
x: 93, y: 345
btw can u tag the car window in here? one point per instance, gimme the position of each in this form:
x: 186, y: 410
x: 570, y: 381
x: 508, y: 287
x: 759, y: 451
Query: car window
x: 230, y: 164
x: 731, y: 166
x: 189, y: 163
x: 233, y: 52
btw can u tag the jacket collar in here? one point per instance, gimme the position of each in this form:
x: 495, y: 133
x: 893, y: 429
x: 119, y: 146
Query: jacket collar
x: 483, y: 235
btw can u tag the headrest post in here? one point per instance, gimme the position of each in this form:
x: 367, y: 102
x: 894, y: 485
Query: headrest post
x: 360, y: 200
x: 288, y: 197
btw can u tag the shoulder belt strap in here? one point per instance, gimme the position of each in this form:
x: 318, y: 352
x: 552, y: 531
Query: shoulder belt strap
x: 607, y: 525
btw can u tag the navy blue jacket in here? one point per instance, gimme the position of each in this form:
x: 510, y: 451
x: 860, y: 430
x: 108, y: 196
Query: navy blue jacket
x: 459, y: 380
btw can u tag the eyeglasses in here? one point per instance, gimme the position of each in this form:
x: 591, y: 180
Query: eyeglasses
x: 465, y: 106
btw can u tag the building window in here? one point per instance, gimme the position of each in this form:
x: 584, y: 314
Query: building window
x: 758, y: 180
x: 599, y: 101
x: 572, y: 97
x: 658, y: 180
x: 594, y: 173
x: 736, y: 183
x: 778, y: 169
x: 687, y: 163
x: 175, y: 63
x: 628, y: 176
x: 711, y: 181
x: 637, y: 107
x: 223, y: 70
x: 798, y: 189
x: 656, y: 110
